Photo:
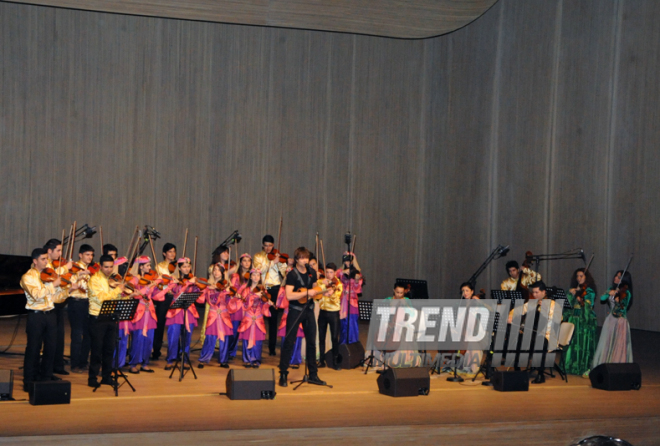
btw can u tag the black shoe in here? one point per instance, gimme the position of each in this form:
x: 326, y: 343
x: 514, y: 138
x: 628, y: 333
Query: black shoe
x: 314, y: 379
x: 93, y: 383
x: 169, y: 366
x: 321, y: 364
x: 247, y: 365
x: 255, y: 365
x: 109, y: 382
x: 540, y: 379
x: 224, y: 365
x: 61, y: 372
x: 200, y: 365
x: 272, y: 354
x: 134, y: 370
x: 27, y: 386
x: 142, y: 369
x: 295, y: 366
x: 283, y: 379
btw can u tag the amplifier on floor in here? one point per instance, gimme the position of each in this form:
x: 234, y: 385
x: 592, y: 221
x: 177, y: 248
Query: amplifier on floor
x: 626, y: 376
x: 50, y: 392
x: 510, y: 381
x: 251, y: 384
x: 6, y: 385
x: 411, y: 381
x: 350, y: 356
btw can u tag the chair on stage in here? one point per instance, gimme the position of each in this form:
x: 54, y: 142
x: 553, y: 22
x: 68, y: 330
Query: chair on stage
x: 566, y: 330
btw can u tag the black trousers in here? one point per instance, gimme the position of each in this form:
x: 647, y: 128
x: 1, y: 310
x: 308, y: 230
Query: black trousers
x: 309, y: 328
x: 80, y: 340
x: 329, y: 319
x: 59, y: 340
x: 161, y: 313
x: 103, y: 336
x: 273, y: 320
x: 41, y: 329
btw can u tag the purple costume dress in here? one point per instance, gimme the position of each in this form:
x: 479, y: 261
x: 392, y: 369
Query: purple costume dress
x: 236, y: 317
x: 218, y: 325
x: 349, y: 316
x: 143, y: 325
x: 178, y: 318
x: 253, y: 327
x: 283, y: 302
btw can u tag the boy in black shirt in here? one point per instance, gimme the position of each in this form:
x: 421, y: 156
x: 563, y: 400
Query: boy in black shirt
x: 300, y: 283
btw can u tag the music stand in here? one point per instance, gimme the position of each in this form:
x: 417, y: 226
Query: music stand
x: 418, y: 288
x: 364, y: 309
x: 184, y: 301
x: 118, y: 310
x: 486, y: 367
x: 555, y: 293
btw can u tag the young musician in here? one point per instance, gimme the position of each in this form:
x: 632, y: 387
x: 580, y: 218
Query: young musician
x: 41, y: 326
x: 472, y: 358
x: 253, y: 328
x: 272, y: 273
x: 102, y: 332
x: 614, y: 344
x: 177, y: 318
x: 330, y: 305
x: 54, y: 249
x: 538, y: 291
x: 78, y: 309
x: 219, y: 328
x: 238, y: 281
x: 518, y: 276
x: 352, y: 281
x: 144, y: 323
x: 300, y: 286
x: 169, y: 255
x: 110, y: 250
x: 582, y: 296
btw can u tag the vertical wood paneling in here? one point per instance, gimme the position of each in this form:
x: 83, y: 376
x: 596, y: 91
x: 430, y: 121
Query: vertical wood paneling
x: 432, y: 151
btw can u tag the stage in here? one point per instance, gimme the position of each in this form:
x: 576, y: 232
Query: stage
x: 166, y: 411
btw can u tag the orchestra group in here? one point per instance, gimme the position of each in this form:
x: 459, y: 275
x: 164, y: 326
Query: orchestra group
x: 258, y: 298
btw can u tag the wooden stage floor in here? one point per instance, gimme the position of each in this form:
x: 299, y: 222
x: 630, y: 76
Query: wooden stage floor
x: 166, y: 411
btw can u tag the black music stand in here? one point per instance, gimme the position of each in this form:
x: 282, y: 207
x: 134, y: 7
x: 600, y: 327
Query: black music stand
x: 183, y: 302
x: 418, y: 288
x: 118, y: 310
x: 555, y: 293
x: 364, y: 310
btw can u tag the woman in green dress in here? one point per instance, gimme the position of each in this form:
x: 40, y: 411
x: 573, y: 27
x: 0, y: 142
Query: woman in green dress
x: 582, y: 296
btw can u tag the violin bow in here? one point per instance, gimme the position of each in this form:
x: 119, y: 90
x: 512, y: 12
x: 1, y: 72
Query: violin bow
x: 185, y: 243
x: 624, y: 272
x: 101, y: 235
x: 194, y: 270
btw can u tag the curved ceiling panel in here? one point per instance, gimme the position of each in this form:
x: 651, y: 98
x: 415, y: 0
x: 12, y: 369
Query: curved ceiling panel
x: 390, y: 18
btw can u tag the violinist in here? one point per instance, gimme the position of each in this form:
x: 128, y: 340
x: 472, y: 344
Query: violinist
x: 283, y: 303
x: 519, y: 277
x: 41, y: 327
x: 471, y: 358
x: 238, y: 281
x: 582, y: 296
x: 330, y: 305
x: 54, y: 249
x: 78, y: 310
x: 143, y: 325
x: 102, y: 332
x: 221, y: 256
x: 300, y: 283
x: 219, y: 328
x: 167, y: 267
x: 615, y: 344
x: 352, y: 281
x: 273, y: 272
x: 178, y: 317
x: 110, y: 250
x: 252, y: 331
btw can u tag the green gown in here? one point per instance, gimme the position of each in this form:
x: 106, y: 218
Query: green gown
x: 581, y: 350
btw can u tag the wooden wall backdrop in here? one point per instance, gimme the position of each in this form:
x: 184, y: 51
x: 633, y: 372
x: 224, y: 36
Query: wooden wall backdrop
x: 534, y: 126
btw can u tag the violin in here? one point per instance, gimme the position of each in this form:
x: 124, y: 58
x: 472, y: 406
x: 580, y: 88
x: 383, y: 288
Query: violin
x: 148, y: 278
x: 228, y: 265
x: 260, y: 289
x: 482, y: 294
x: 93, y: 268
x: 202, y: 283
x: 317, y: 296
x: 171, y: 267
x: 185, y: 278
x: 49, y: 275
x: 284, y: 258
x: 224, y: 285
